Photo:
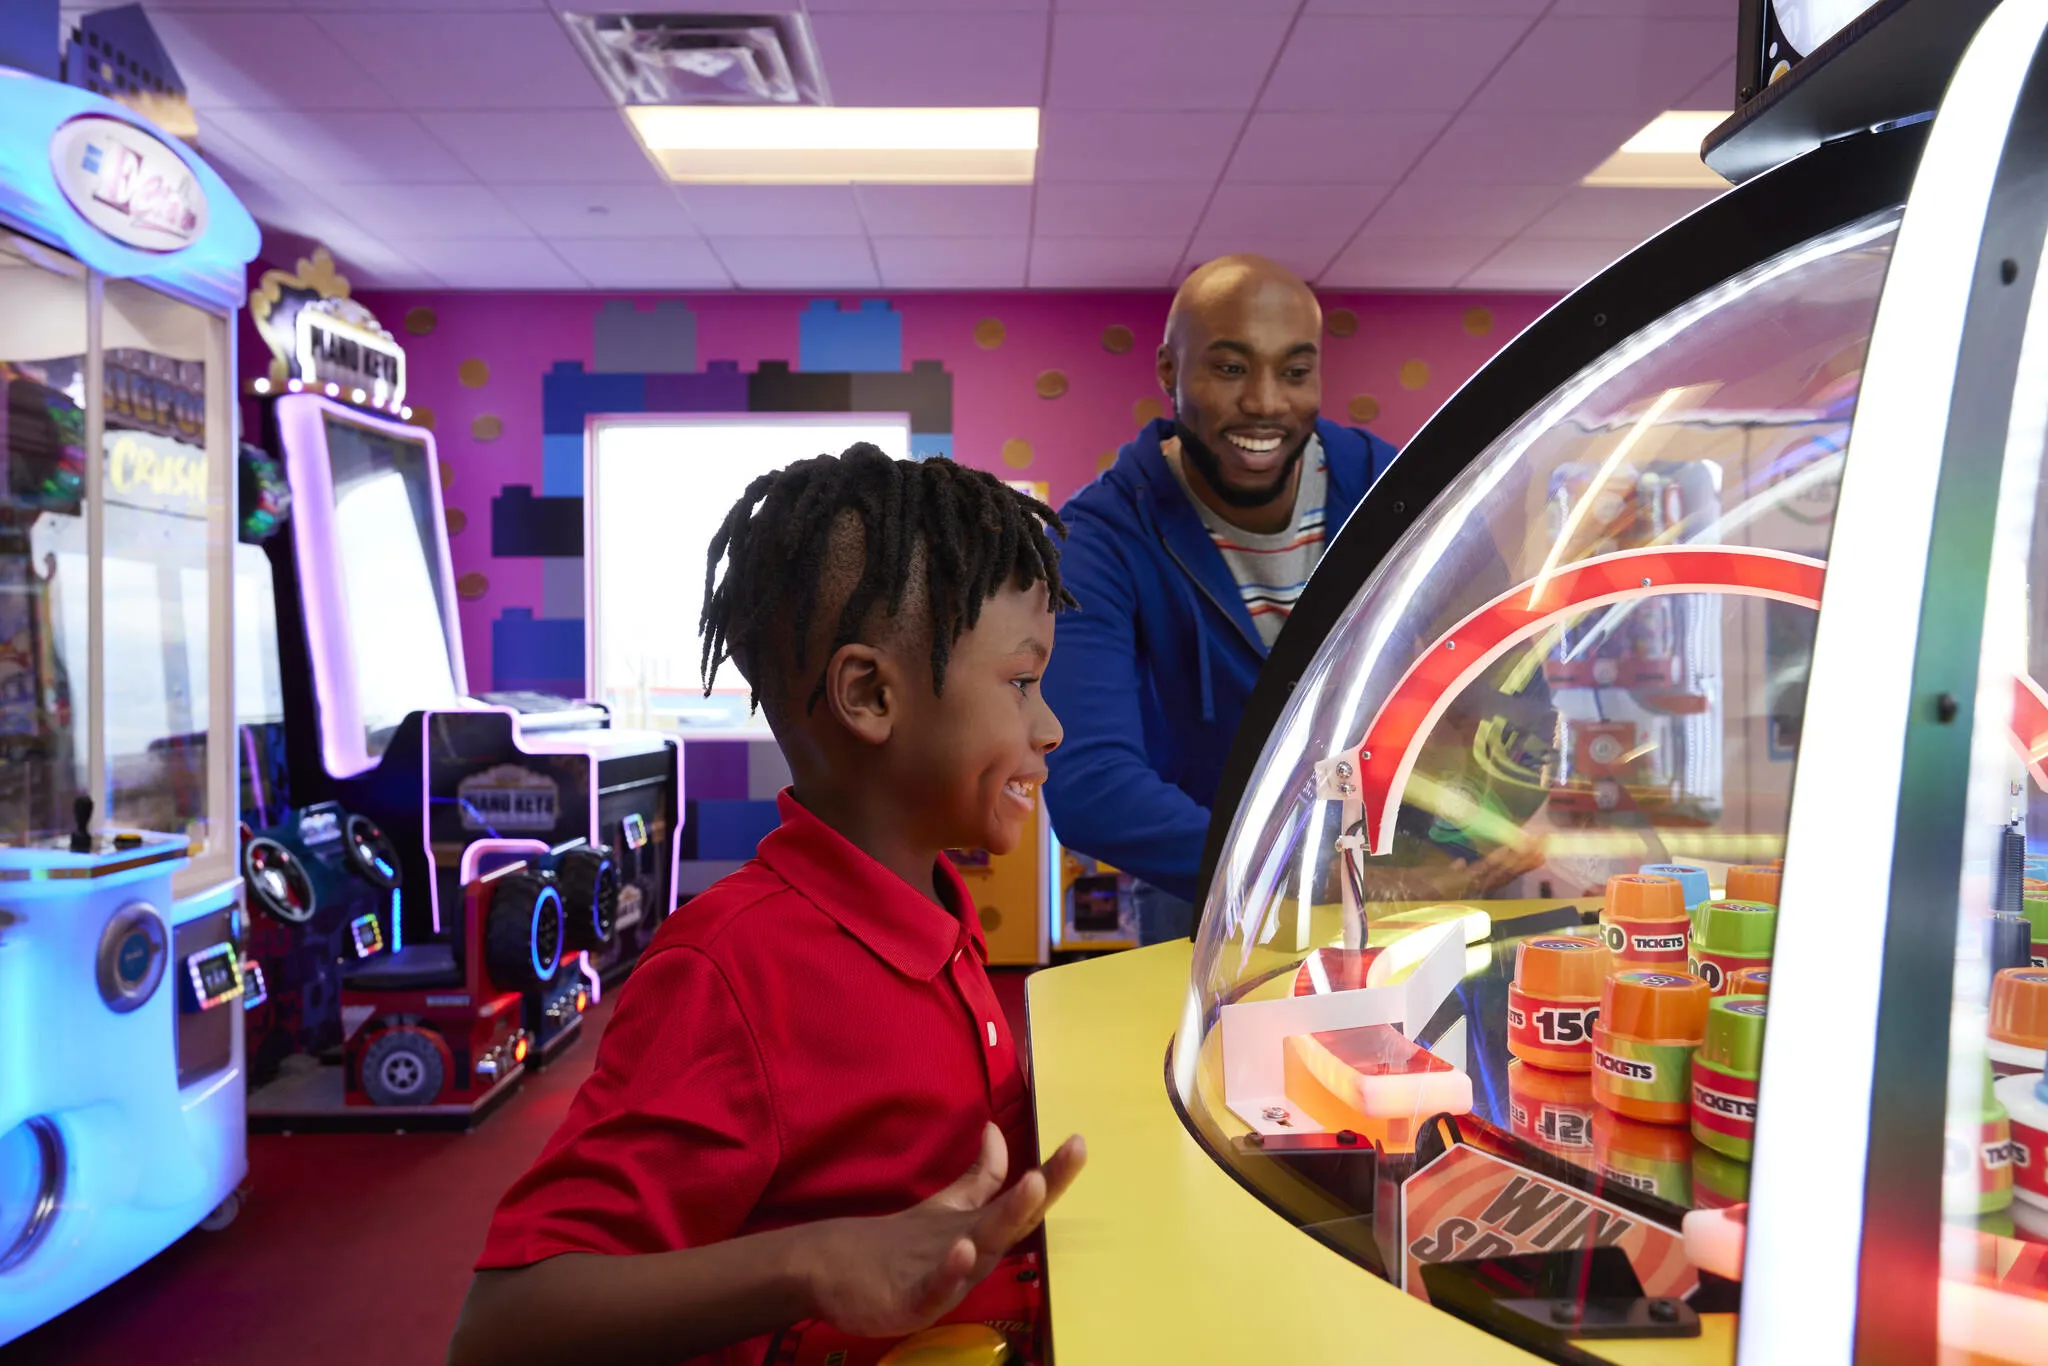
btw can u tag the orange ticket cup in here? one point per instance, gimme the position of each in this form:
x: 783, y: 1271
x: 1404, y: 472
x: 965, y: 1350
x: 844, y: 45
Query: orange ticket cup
x: 1654, y: 1159
x: 1650, y: 1022
x: 1554, y: 1001
x: 1552, y: 1110
x: 1645, y: 922
x: 1749, y: 982
x: 1755, y: 882
x: 2019, y: 1020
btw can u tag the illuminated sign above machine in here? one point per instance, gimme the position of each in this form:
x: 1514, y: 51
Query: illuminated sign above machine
x: 323, y: 341
x: 130, y: 185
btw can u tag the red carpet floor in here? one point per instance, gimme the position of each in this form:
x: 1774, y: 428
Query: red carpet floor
x: 351, y: 1249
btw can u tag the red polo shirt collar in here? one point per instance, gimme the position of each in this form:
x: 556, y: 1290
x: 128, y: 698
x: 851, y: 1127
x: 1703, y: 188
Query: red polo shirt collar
x: 898, y: 924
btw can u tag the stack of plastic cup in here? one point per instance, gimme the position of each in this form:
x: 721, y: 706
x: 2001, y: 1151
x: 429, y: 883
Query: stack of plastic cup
x: 1554, y: 1001
x: 2025, y: 1098
x: 1724, y: 1076
x: 1650, y: 1023
x: 2019, y: 1020
x: 1692, y: 881
x: 1645, y: 923
x: 1976, y: 1169
x: 1728, y: 936
x: 1754, y: 882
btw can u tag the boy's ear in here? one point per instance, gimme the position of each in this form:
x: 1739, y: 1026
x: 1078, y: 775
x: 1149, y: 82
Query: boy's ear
x: 861, y: 691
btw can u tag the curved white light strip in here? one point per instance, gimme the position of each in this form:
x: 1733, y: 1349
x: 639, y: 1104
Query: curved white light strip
x: 1806, y: 1216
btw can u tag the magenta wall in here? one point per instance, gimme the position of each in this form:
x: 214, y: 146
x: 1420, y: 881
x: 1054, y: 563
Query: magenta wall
x: 476, y: 363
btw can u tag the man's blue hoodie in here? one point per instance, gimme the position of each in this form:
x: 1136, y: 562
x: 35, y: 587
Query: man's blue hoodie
x: 1150, y: 677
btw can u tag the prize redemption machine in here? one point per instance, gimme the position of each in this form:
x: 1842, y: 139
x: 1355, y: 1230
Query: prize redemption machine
x: 516, y: 848
x: 1735, y: 637
x: 121, y: 1119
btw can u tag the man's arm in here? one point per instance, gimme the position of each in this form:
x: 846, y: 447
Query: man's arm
x: 870, y: 1277
x: 1103, y: 794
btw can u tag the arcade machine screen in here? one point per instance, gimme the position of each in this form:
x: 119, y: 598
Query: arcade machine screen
x: 394, y: 580
x: 1509, y: 853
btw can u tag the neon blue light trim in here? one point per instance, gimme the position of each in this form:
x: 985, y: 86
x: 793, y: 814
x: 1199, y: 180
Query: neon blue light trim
x: 533, y: 934
x: 212, y: 269
x: 397, y: 921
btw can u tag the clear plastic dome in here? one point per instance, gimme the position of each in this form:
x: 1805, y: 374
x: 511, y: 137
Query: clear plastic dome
x: 1586, y: 658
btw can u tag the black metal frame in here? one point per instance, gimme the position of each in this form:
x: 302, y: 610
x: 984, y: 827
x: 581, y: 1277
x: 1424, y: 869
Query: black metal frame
x: 1829, y: 187
x: 1900, y: 1268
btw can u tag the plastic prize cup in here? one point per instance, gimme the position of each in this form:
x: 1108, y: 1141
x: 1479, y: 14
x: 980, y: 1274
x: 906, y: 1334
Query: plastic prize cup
x: 1728, y: 936
x: 1754, y: 882
x: 1552, y: 1110
x: 1749, y: 982
x: 1645, y: 923
x: 1977, y: 1159
x: 1655, y: 1159
x: 1554, y: 1001
x: 1724, y: 1075
x: 2019, y: 1020
x: 1650, y: 1023
x: 1718, y: 1181
x: 1691, y: 880
x: 2025, y: 1098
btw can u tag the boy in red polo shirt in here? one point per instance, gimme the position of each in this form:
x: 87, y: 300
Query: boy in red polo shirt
x: 808, y: 1101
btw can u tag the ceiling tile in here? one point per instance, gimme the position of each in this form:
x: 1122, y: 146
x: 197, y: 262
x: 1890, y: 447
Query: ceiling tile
x: 760, y: 262
x: 1124, y: 147
x: 945, y: 210
x: 1525, y: 264
x: 1102, y: 262
x: 1608, y: 215
x: 1407, y: 263
x: 887, y: 6
x: 431, y: 60
x: 1728, y: 11
x: 643, y: 262
x: 1153, y: 61
x: 262, y: 61
x: 339, y: 148
x: 935, y: 59
x: 1303, y: 253
x: 597, y: 211
x: 1163, y: 210
x: 1529, y: 8
x: 490, y: 264
x: 1717, y: 91
x: 1392, y: 62
x: 1641, y: 66
x: 779, y: 210
x: 1524, y: 149
x: 287, y: 209
x: 1426, y: 210
x: 408, y: 6
x: 1175, y: 7
x: 552, y: 147
x: 1285, y: 209
x: 951, y: 262
x: 1330, y: 148
x: 426, y: 212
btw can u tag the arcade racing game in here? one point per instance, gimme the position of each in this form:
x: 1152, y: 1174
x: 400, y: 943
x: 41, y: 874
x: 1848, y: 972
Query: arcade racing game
x: 1631, y: 790
x: 527, y: 848
x: 121, y: 1045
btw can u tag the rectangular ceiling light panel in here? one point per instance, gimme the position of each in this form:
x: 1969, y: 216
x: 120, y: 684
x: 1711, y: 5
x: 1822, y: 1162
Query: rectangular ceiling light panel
x: 822, y: 145
x: 1664, y: 155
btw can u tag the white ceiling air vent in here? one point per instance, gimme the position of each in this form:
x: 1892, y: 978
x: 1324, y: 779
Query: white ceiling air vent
x: 671, y: 59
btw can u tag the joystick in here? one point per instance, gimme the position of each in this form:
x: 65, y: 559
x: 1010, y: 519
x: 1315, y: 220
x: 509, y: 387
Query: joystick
x: 81, y: 813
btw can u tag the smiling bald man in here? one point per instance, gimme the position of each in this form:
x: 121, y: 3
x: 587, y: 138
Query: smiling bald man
x: 1187, y: 556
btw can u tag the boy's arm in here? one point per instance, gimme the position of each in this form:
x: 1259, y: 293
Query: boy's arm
x: 1106, y: 801
x: 870, y: 1277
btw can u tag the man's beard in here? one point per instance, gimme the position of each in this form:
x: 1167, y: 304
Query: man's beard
x: 1211, y: 468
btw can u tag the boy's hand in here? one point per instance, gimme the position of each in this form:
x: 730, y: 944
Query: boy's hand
x: 884, y: 1278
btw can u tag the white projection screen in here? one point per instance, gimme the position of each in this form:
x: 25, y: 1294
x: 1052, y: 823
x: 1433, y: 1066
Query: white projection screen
x: 658, y: 489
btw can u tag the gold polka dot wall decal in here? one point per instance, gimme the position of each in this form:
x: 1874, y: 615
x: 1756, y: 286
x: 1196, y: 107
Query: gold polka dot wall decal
x: 472, y: 586
x: 1105, y: 460
x: 1479, y: 321
x: 1414, y: 374
x: 1145, y: 409
x: 1364, y: 408
x: 422, y: 416
x: 1017, y: 453
x: 1340, y: 322
x: 447, y: 475
x: 990, y: 917
x: 456, y: 518
x: 1117, y: 339
x: 1051, y: 384
x: 473, y: 373
x: 486, y: 427
x: 420, y: 321
x: 989, y: 333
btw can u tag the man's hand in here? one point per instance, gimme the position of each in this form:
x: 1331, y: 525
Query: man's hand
x: 884, y: 1278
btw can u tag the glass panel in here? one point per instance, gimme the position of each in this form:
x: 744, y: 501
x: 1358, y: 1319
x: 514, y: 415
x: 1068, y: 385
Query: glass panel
x: 44, y: 686
x: 393, y: 550
x: 1994, y: 1180
x: 155, y: 576
x: 1560, y: 718
x: 662, y: 489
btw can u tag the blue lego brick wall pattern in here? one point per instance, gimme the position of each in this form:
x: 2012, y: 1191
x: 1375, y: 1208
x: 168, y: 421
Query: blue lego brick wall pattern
x: 867, y: 337
x: 731, y: 829
x: 715, y: 769
x: 644, y: 341
x: 537, y: 654
x: 523, y: 525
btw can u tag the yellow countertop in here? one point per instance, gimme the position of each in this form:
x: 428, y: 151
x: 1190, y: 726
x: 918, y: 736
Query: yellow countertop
x: 1158, y: 1255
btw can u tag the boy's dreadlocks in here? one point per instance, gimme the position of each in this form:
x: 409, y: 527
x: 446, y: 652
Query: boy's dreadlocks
x: 976, y: 534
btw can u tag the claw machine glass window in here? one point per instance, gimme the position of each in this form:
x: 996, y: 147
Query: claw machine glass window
x: 1512, y: 843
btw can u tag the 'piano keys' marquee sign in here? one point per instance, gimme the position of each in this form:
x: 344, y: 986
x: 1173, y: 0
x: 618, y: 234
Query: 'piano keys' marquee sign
x: 325, y: 340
